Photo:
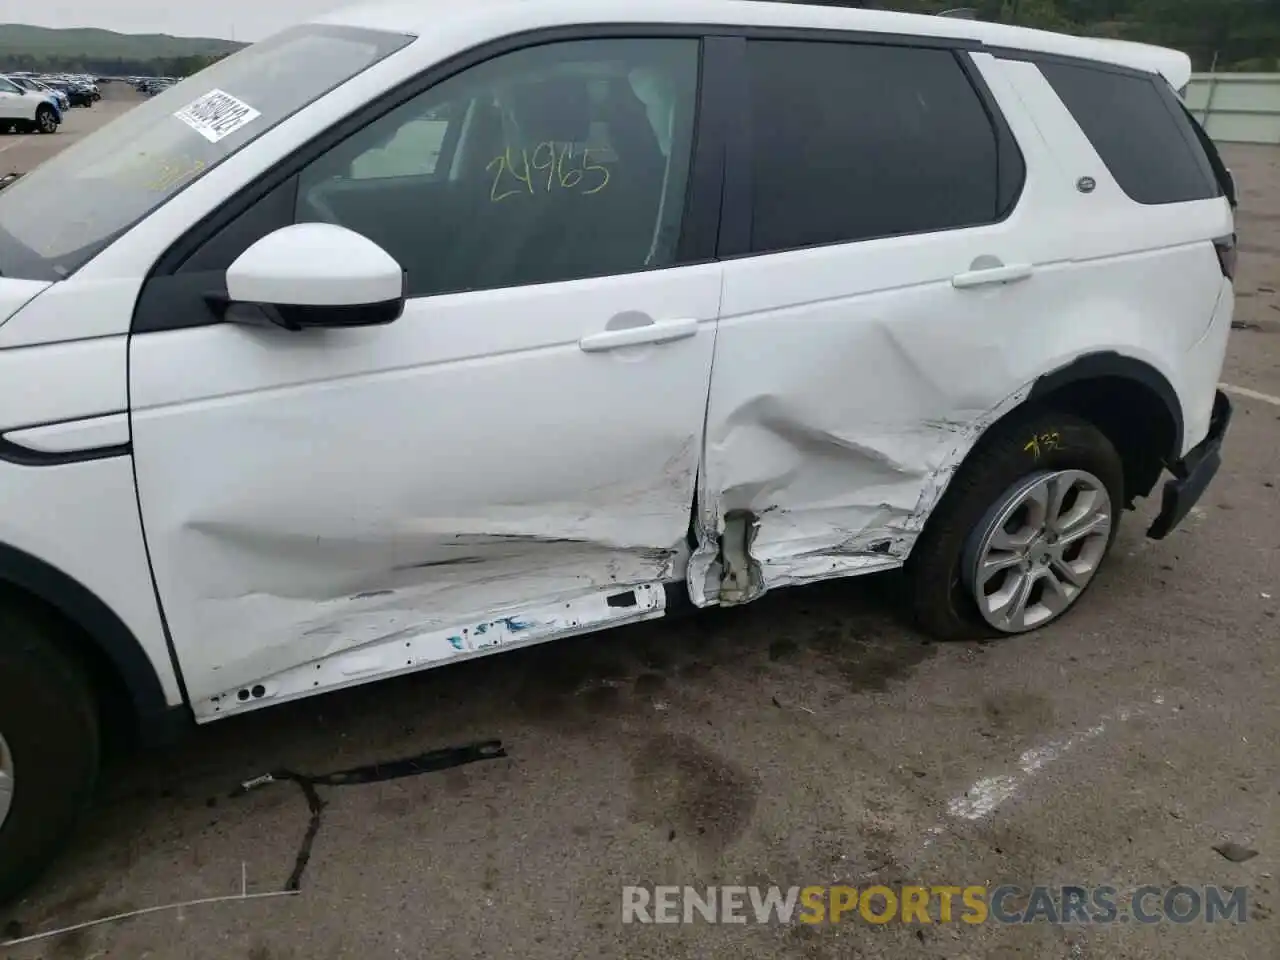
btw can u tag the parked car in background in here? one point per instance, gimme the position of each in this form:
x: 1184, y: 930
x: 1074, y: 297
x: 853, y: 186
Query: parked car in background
x: 79, y: 95
x: 154, y: 85
x: 39, y: 86
x: 28, y: 110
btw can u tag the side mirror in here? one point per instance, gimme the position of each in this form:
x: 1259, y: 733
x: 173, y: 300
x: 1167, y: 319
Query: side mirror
x: 313, y: 275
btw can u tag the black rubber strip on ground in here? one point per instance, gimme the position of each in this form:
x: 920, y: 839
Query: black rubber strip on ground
x: 430, y: 762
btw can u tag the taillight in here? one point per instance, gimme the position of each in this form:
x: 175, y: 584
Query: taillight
x: 1226, y: 248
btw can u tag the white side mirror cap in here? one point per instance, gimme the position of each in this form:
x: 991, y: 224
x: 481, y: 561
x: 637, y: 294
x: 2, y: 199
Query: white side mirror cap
x: 315, y: 265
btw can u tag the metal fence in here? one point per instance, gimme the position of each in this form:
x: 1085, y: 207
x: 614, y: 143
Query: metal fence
x: 1237, y: 107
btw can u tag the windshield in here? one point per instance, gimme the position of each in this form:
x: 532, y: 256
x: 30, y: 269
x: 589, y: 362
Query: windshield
x: 61, y: 214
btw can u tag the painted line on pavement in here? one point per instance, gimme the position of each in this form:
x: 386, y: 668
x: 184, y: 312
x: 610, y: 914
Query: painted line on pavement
x: 1251, y: 394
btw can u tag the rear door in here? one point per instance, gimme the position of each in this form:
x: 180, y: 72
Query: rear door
x: 879, y: 299
x: 514, y: 459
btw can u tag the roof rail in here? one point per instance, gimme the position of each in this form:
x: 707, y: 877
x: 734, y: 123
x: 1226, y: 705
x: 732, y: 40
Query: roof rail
x: 960, y: 13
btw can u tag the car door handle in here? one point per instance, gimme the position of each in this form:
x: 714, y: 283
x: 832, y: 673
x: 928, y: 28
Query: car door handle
x: 991, y: 275
x: 662, y: 331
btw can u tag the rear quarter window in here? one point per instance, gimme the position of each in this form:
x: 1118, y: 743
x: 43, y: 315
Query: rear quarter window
x: 1138, y: 128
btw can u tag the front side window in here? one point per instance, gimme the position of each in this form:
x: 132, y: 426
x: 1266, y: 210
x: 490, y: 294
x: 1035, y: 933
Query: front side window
x: 61, y: 214
x: 556, y: 162
x: 855, y: 141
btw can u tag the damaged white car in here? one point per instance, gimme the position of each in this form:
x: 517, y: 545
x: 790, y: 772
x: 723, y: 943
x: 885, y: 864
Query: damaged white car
x: 405, y: 337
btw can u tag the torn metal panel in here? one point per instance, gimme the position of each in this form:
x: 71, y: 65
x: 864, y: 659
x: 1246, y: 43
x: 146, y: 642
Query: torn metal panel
x: 416, y: 647
x: 871, y: 528
x: 834, y: 473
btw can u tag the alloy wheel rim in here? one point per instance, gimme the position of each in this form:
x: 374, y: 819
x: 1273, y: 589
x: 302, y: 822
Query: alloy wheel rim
x: 6, y: 780
x: 46, y: 120
x: 1043, y: 544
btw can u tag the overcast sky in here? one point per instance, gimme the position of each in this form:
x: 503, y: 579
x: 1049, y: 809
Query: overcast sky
x: 243, y: 19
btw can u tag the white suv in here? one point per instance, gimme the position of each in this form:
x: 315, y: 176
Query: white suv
x: 406, y: 337
x: 29, y: 110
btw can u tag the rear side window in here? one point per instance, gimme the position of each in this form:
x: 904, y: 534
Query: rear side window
x: 1138, y: 130
x: 855, y: 141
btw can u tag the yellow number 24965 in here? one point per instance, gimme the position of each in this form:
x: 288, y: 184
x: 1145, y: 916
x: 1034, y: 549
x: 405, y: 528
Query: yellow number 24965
x: 523, y: 167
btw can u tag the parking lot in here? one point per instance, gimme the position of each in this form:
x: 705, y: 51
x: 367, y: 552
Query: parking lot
x: 806, y: 739
x: 21, y: 152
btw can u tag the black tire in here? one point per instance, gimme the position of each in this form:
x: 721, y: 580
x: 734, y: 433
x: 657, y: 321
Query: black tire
x: 940, y: 603
x: 42, y: 124
x: 49, y: 719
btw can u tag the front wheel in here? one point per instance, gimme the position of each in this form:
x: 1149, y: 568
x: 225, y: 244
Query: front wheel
x: 1020, y: 533
x: 49, y: 746
x: 46, y: 120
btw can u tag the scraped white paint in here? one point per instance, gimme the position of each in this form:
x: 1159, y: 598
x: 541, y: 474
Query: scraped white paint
x: 985, y: 796
x: 1250, y: 394
x: 414, y: 646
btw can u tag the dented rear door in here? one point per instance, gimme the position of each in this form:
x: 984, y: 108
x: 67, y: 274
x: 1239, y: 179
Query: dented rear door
x: 876, y: 313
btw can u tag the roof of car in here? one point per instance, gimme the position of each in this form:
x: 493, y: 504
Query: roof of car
x: 493, y: 18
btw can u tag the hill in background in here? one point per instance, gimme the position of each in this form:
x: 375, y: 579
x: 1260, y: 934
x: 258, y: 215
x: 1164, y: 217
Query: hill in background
x: 105, y: 52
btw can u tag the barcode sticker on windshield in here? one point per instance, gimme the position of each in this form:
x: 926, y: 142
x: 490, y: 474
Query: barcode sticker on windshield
x: 216, y: 115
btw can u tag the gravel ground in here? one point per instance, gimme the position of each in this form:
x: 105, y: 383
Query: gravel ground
x: 807, y: 739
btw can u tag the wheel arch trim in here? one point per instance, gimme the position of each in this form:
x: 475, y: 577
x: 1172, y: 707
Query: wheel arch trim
x: 1109, y: 364
x: 102, y: 627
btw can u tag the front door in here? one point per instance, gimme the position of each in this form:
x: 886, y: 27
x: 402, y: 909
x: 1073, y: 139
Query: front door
x: 13, y: 105
x: 514, y: 458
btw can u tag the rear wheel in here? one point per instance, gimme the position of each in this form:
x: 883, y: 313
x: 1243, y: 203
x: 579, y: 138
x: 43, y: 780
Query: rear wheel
x: 49, y: 746
x: 46, y: 119
x: 1022, y: 531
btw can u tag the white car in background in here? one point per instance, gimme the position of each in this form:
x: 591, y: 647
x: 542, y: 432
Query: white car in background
x: 32, y: 85
x: 28, y: 110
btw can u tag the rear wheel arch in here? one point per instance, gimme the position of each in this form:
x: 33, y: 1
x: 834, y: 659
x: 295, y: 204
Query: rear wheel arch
x: 1130, y: 401
x: 131, y: 696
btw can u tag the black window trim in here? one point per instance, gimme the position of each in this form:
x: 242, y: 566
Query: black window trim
x: 1066, y: 60
x: 1181, y: 116
x: 1009, y: 183
x: 700, y: 226
x: 717, y: 217
x: 1221, y: 172
x: 736, y: 244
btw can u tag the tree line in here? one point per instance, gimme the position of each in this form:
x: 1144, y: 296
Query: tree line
x: 1224, y: 34
x: 97, y: 66
x: 1242, y: 35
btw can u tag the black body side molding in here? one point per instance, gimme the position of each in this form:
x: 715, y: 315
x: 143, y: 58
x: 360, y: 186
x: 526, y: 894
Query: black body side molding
x: 11, y: 452
x: 1108, y: 364
x: 156, y: 720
